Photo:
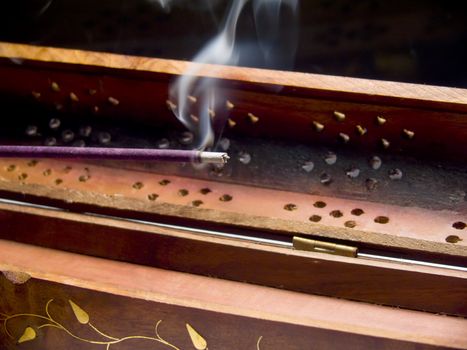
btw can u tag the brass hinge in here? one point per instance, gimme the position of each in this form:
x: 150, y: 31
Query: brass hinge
x: 312, y: 245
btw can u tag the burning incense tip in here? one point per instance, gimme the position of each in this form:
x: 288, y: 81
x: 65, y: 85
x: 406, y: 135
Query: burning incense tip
x: 213, y: 157
x: 133, y: 154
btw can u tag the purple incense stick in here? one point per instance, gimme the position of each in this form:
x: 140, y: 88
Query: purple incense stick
x: 136, y: 154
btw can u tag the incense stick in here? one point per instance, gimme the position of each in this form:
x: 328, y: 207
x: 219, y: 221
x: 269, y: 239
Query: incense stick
x: 135, y: 154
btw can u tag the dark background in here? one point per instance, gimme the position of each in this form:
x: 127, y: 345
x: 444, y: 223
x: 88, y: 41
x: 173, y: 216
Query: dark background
x: 418, y: 41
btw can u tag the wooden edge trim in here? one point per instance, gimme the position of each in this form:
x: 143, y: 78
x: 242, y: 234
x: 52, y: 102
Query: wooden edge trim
x: 321, y: 85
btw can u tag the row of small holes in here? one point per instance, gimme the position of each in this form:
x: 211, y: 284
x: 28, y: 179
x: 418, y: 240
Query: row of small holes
x: 360, y: 130
x: 337, y: 214
x: 182, y: 192
x: 250, y: 117
x: 350, y: 223
x: 24, y: 176
x: 339, y: 116
x: 459, y: 225
x: 48, y: 172
x: 137, y: 185
x: 356, y: 211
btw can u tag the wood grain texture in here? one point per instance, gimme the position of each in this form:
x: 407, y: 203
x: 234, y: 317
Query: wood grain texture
x: 393, y: 284
x: 324, y: 85
x: 123, y: 299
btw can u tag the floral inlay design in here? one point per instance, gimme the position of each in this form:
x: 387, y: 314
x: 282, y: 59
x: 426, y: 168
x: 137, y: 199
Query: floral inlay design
x: 30, y: 333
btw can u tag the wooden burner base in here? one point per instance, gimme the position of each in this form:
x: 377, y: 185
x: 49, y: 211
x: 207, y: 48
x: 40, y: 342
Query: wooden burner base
x: 123, y: 284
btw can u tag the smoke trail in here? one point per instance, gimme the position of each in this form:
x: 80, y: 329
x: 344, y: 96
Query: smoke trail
x: 277, y: 31
x: 44, y: 8
x: 167, y: 5
x: 197, y: 99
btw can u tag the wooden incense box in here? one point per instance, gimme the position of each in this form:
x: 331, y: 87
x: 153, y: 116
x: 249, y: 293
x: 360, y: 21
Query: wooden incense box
x: 125, y: 255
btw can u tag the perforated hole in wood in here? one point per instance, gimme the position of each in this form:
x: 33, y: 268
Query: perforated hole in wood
x: 290, y: 207
x: 336, y: 214
x: 350, y: 224
x: 315, y: 218
x: 319, y: 204
x: 357, y: 212
x: 459, y: 225
x: 183, y: 192
x: 453, y: 239
x: 153, y: 196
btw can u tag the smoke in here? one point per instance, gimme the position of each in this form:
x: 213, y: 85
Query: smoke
x: 197, y: 99
x: 167, y: 5
x: 44, y: 8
